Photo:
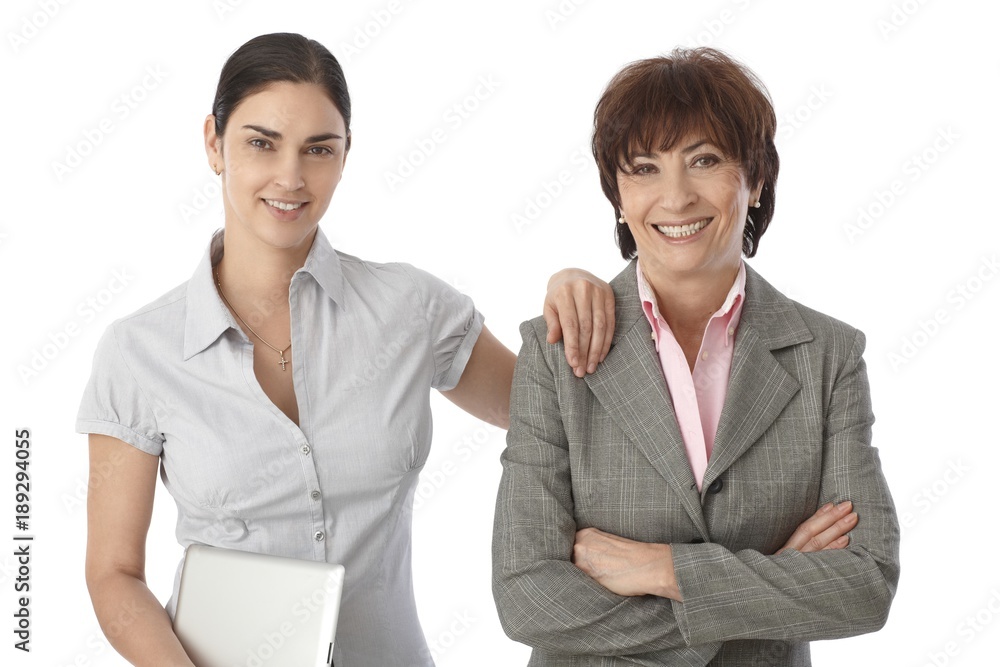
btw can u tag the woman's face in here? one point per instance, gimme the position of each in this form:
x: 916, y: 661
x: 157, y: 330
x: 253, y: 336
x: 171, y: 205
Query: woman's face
x: 686, y: 208
x: 283, y: 154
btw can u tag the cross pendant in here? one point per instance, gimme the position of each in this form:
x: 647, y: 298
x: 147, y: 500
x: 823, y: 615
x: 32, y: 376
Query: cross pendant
x: 283, y: 360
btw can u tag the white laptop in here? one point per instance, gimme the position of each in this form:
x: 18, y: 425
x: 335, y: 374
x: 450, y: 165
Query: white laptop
x: 241, y: 609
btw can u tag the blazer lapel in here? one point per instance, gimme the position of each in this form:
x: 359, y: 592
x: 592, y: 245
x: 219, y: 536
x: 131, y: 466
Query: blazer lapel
x: 759, y: 387
x: 630, y: 386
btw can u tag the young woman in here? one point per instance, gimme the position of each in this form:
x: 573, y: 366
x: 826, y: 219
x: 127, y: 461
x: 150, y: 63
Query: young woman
x: 254, y: 386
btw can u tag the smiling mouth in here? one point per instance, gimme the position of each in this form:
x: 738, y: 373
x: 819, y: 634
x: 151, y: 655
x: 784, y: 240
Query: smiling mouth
x: 680, y: 231
x: 284, y: 206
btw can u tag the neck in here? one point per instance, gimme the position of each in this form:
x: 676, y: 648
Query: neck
x: 255, y: 277
x: 688, y: 301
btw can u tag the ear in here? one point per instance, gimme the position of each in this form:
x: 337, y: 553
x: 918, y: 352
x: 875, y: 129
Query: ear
x: 213, y: 145
x: 755, y: 193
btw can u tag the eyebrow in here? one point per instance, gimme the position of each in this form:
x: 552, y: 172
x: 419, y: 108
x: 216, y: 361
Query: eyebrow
x: 700, y: 142
x: 271, y: 134
x: 684, y: 151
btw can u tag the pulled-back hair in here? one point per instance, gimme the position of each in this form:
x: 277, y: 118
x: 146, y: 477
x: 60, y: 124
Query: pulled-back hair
x: 280, y: 56
x: 652, y: 104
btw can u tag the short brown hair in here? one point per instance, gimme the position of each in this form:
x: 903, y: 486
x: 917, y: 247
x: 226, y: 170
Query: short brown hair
x: 651, y: 104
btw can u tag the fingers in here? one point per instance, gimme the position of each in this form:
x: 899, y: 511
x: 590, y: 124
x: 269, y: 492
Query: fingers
x: 555, y: 333
x: 608, y: 322
x: 824, y: 529
x: 602, y: 309
x: 580, y: 309
x: 569, y: 314
x: 834, y: 537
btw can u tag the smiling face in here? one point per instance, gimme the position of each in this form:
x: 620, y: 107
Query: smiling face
x: 686, y: 208
x: 282, y: 156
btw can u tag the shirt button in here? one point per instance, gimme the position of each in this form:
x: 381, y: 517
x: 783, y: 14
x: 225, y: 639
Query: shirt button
x: 704, y: 355
x: 305, y: 449
x: 318, y: 536
x: 731, y: 331
x: 315, y: 495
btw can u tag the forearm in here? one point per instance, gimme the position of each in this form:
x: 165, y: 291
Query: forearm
x: 134, y: 622
x: 738, y: 593
x: 555, y: 607
x: 792, y: 596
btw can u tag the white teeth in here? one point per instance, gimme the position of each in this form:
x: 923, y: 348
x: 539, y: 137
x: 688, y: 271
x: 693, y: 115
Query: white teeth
x: 677, y: 232
x: 282, y: 205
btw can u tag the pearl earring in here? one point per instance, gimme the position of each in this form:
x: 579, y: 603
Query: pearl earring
x: 621, y: 219
x: 756, y: 204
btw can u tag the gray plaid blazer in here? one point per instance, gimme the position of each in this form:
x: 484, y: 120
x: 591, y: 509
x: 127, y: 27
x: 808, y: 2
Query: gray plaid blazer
x: 605, y: 451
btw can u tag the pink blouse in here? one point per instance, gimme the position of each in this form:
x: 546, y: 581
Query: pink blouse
x: 697, y: 396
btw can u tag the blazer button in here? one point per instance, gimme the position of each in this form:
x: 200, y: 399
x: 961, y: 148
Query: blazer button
x: 697, y: 540
x: 715, y: 486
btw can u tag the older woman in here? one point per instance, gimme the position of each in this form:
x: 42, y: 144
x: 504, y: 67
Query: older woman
x: 641, y: 507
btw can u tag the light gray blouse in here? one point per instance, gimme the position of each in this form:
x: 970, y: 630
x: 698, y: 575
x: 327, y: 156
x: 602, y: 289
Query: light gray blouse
x: 175, y: 379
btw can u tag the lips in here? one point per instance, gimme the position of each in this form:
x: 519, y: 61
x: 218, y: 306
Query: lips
x: 683, y: 231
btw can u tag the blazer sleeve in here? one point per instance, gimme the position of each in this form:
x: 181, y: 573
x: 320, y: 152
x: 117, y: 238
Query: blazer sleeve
x: 543, y: 600
x: 796, y: 596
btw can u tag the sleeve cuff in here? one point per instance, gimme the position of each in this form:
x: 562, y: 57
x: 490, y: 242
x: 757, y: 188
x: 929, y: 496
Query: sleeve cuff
x: 123, y: 433
x: 463, y: 353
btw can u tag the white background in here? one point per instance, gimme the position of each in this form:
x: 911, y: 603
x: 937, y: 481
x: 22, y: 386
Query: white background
x: 862, y: 88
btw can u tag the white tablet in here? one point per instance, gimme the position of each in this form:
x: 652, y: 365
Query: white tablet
x: 251, y: 610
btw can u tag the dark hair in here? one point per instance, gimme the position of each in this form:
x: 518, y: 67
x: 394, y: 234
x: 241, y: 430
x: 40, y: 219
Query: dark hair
x: 280, y: 56
x: 654, y: 103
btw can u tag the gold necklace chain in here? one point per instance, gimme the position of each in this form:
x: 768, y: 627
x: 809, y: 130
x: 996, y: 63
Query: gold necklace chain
x: 281, y: 353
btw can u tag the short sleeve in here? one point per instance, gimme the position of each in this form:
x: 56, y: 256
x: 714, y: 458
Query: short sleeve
x: 113, y: 403
x: 453, y: 326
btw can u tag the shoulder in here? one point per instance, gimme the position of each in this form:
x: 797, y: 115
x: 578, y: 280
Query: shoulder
x: 362, y: 273
x: 785, y: 322
x: 158, y: 324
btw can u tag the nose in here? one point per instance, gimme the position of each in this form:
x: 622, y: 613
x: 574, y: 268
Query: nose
x: 289, y: 173
x: 678, y: 191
